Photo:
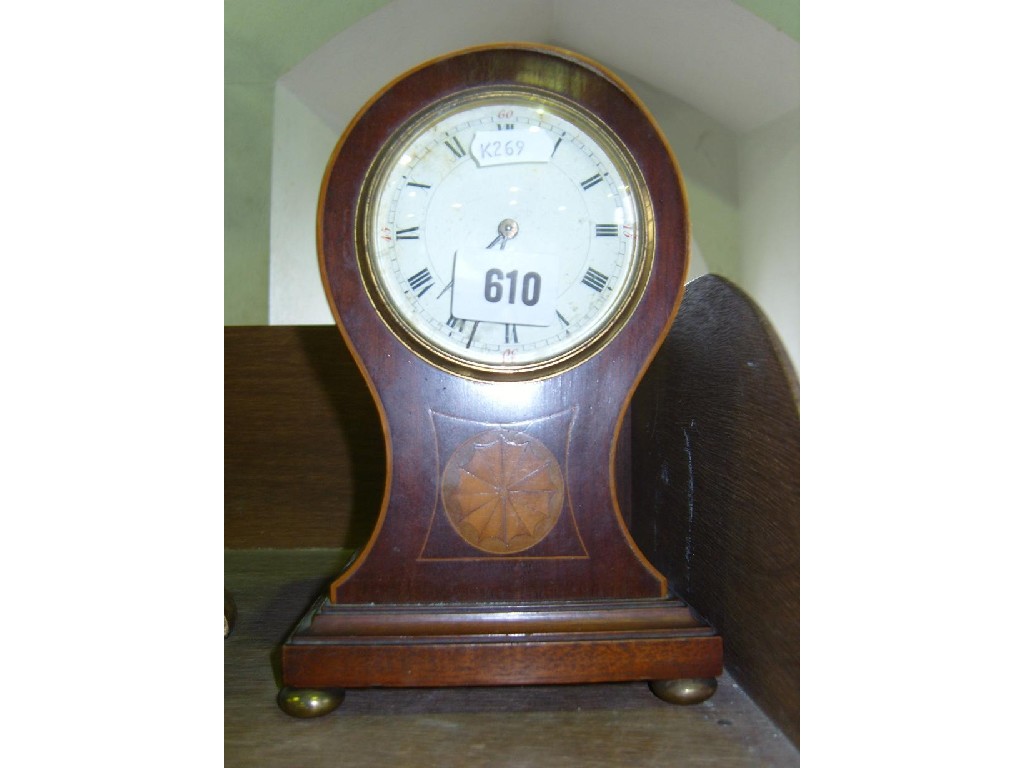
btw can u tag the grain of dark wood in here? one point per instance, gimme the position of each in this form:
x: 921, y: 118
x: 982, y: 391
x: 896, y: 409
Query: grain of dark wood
x: 599, y: 726
x: 716, y: 485
x: 303, y: 449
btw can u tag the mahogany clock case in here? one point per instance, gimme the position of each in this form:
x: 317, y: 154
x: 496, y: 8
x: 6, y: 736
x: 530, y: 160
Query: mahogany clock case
x: 425, y: 603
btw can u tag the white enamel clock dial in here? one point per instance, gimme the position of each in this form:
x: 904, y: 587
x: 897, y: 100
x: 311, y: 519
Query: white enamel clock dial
x: 506, y: 231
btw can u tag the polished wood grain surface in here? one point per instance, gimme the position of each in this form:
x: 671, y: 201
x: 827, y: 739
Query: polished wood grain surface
x: 303, y: 448
x: 618, y: 724
x: 716, y: 467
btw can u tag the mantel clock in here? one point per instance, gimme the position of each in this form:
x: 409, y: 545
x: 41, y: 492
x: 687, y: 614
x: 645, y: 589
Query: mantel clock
x: 503, y: 241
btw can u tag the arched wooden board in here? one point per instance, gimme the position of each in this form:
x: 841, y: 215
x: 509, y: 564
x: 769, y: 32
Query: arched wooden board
x: 716, y: 485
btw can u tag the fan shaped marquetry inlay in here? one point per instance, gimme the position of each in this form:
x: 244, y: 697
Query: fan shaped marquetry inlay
x: 503, y: 491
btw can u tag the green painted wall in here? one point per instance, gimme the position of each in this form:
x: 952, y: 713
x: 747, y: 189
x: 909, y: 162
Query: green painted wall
x: 263, y: 39
x: 783, y: 14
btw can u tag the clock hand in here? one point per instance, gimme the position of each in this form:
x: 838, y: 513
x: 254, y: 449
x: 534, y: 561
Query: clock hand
x: 507, y: 229
x: 472, y: 333
x: 450, y: 282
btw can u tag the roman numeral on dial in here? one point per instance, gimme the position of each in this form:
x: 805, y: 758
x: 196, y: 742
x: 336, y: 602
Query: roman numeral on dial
x: 457, y: 149
x: 409, y: 233
x: 594, y: 279
x: 606, y: 230
x: 421, y: 282
x: 593, y: 181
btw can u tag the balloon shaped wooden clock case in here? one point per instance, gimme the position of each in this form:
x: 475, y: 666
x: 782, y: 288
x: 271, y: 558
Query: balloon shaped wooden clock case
x: 503, y: 239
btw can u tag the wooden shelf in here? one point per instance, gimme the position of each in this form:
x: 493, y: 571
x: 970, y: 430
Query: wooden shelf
x: 594, y: 725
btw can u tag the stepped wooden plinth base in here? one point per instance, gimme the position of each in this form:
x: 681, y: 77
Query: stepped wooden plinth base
x: 365, y: 646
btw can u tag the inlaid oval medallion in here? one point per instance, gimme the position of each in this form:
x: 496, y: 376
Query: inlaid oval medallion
x: 502, y: 491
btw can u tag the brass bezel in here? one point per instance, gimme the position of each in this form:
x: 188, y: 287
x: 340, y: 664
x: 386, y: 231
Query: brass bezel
x: 639, y: 270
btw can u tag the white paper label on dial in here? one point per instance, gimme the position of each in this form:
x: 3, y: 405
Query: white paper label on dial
x: 496, y: 286
x: 515, y: 146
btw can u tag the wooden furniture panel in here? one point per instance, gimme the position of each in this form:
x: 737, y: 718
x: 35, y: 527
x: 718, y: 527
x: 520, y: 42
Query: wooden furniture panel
x: 716, y: 485
x: 303, y: 449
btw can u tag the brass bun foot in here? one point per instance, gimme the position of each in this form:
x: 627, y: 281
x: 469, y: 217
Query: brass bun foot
x: 687, y: 691
x: 309, y: 702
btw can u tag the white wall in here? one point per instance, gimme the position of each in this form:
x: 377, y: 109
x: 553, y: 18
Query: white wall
x: 303, y: 144
x: 769, y: 184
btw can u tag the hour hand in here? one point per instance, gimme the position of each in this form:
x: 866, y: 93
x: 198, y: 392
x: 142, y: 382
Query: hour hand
x: 507, y: 229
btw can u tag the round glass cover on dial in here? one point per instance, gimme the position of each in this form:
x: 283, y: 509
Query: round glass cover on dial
x: 507, y: 231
